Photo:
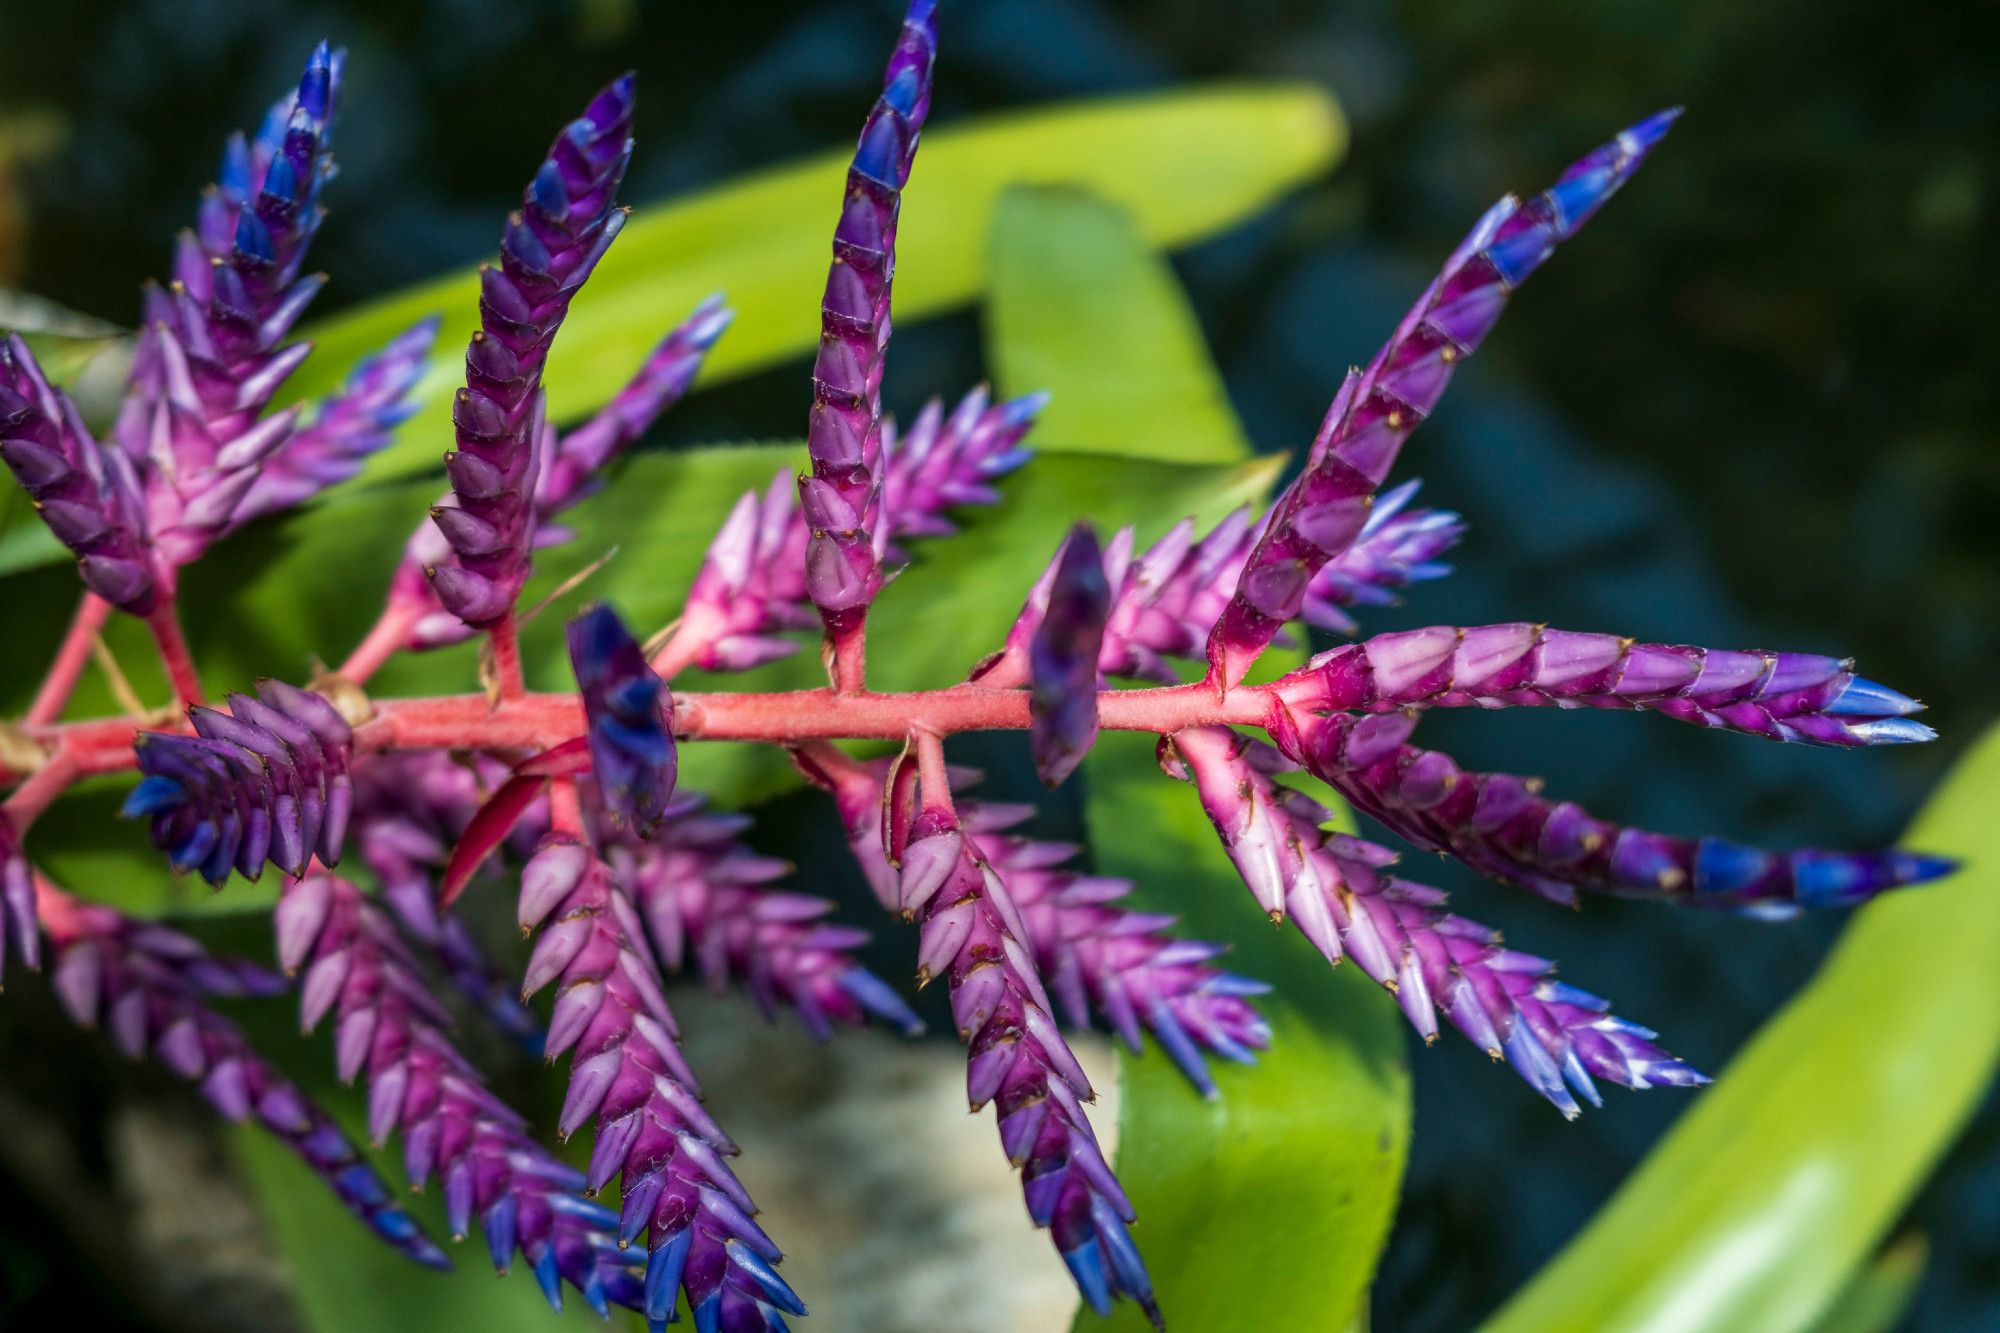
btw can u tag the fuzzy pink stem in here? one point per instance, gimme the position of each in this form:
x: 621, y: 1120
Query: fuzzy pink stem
x: 71, y: 658
x: 388, y: 636
x: 165, y: 622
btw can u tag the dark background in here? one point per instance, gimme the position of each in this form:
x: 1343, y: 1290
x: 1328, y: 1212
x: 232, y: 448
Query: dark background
x: 1752, y: 406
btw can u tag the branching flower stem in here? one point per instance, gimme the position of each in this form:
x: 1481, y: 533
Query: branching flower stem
x: 60, y: 683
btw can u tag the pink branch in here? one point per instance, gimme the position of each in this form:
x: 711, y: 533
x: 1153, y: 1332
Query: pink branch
x: 507, y: 658
x: 60, y: 683
x: 174, y: 654
x: 389, y: 635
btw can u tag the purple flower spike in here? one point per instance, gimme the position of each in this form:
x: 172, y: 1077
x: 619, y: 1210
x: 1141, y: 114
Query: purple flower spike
x: 1322, y: 513
x: 89, y: 496
x: 631, y: 718
x: 707, y: 902
x: 628, y: 1073
x: 751, y: 588
x: 973, y: 935
x: 266, y: 780
x: 567, y: 220
x: 390, y: 1031
x: 212, y: 352
x: 1397, y: 547
x: 1097, y: 956
x: 1062, y: 659
x: 841, y: 497
x: 148, y: 987
x: 1781, y: 696
x: 347, y: 426
x: 1334, y: 889
x: 1502, y: 826
x: 18, y: 927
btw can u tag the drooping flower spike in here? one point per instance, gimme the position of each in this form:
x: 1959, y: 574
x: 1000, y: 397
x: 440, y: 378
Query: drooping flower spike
x: 841, y: 496
x: 1062, y: 659
x: 389, y: 1030
x: 567, y: 220
x: 1322, y: 513
x: 1502, y: 826
x: 266, y: 780
x: 88, y: 495
x: 149, y: 987
x: 630, y: 717
x: 19, y: 932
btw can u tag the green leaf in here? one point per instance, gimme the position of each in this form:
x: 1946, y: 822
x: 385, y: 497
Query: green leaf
x: 1185, y: 163
x: 1081, y: 306
x: 1784, y: 1177
x: 1878, y: 1297
x: 1268, y: 1207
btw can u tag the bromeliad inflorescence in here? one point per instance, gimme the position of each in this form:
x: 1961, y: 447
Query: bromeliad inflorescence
x: 624, y: 877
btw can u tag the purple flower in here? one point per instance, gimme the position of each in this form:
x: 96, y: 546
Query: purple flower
x: 972, y: 934
x: 751, y: 587
x: 266, y: 780
x: 627, y: 1071
x: 841, y: 497
x: 567, y: 220
x: 1335, y: 890
x: 1062, y: 659
x: 1322, y: 513
x: 212, y: 352
x: 18, y: 927
x: 88, y: 496
x: 347, y: 426
x: 1782, y: 696
x: 707, y: 903
x: 1502, y: 826
x: 149, y: 987
x: 1398, y: 546
x: 631, y: 718
x: 389, y: 1029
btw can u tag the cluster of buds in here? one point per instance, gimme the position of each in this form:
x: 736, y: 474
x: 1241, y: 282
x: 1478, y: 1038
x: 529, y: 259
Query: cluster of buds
x: 623, y: 877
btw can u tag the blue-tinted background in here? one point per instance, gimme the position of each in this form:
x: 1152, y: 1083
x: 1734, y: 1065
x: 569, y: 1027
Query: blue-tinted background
x: 1754, y: 406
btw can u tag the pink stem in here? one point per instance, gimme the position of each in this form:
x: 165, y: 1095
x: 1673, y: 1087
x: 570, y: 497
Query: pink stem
x: 40, y: 791
x: 507, y: 658
x: 60, y: 683
x: 389, y: 635
x: 165, y: 623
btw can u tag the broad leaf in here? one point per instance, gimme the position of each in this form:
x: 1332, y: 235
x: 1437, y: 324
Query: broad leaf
x: 1761, y: 1203
x: 1268, y: 1207
x: 1082, y: 307
x: 1879, y: 1295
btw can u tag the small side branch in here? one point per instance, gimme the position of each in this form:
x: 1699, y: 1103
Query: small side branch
x: 174, y: 653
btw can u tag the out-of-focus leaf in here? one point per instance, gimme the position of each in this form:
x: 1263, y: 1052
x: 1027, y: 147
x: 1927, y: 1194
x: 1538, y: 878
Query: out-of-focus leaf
x: 319, y: 574
x: 1185, y: 164
x: 1880, y: 1294
x: 1080, y: 306
x: 1268, y: 1207
x: 1757, y: 1208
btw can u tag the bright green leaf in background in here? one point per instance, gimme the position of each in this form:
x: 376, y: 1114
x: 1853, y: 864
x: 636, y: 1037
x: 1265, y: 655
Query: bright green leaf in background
x: 1757, y: 1208
x: 1878, y: 1296
x: 1186, y: 164
x: 1080, y: 306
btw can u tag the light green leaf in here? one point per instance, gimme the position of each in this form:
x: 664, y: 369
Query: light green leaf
x: 1185, y: 163
x: 1878, y: 1297
x: 1082, y: 307
x: 1785, y: 1176
x: 1302, y: 1156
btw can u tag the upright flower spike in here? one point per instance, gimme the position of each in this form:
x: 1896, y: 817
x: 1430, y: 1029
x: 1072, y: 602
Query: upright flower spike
x: 567, y: 220
x: 972, y: 934
x: 1781, y: 696
x: 88, y: 496
x: 18, y: 929
x: 266, y: 780
x: 841, y: 496
x: 709, y: 903
x: 1334, y: 889
x: 1062, y: 659
x: 1397, y: 547
x: 751, y: 587
x: 388, y: 1029
x: 1502, y: 826
x: 631, y: 718
x: 149, y: 987
x: 213, y: 353
x: 1320, y: 514
x: 572, y: 469
x: 347, y: 426
x: 628, y: 1073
